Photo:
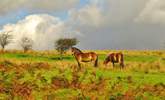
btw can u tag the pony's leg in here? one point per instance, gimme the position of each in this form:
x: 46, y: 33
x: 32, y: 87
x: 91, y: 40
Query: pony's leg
x: 122, y: 65
x: 79, y: 65
x: 78, y: 62
x: 122, y: 61
x: 96, y: 61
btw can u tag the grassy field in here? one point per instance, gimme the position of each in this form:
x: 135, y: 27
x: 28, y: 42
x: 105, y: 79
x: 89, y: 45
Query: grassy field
x: 40, y: 75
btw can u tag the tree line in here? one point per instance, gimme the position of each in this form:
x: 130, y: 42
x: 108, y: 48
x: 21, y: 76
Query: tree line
x: 26, y: 43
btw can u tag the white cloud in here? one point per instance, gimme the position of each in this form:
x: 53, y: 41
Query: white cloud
x: 89, y: 15
x: 153, y: 13
x: 7, y: 6
x: 42, y: 28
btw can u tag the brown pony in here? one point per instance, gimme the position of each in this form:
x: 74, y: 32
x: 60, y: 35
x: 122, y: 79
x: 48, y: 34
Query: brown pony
x: 84, y: 57
x: 115, y: 58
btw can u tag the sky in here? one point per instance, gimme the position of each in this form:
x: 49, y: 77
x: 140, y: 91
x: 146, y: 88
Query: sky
x: 97, y: 24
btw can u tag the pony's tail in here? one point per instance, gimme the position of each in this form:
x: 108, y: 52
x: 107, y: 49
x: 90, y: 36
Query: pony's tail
x: 122, y: 60
x: 96, y: 62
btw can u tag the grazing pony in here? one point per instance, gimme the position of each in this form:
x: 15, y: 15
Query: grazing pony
x: 84, y: 57
x: 115, y: 58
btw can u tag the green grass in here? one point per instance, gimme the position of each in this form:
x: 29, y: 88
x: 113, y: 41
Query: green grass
x: 141, y: 58
x: 21, y: 56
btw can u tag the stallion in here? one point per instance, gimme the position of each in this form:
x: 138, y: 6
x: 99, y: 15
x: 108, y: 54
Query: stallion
x: 84, y: 57
x: 115, y: 58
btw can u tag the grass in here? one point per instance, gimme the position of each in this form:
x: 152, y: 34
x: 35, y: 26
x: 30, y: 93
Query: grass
x: 20, y: 56
x: 40, y: 75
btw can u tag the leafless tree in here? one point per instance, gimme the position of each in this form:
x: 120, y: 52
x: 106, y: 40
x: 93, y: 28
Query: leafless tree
x: 5, y: 39
x: 26, y: 43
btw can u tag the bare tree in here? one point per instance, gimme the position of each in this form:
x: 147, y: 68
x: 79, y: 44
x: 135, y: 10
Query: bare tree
x: 5, y: 39
x: 26, y: 43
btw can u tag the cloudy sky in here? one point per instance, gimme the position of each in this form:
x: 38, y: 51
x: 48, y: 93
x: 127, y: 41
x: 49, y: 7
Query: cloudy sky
x: 98, y: 24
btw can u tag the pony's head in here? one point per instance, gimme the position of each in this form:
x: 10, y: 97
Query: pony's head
x: 75, y: 50
x: 106, y: 61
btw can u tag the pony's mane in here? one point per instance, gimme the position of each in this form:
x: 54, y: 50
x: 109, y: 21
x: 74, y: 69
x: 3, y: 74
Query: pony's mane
x: 77, y: 49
